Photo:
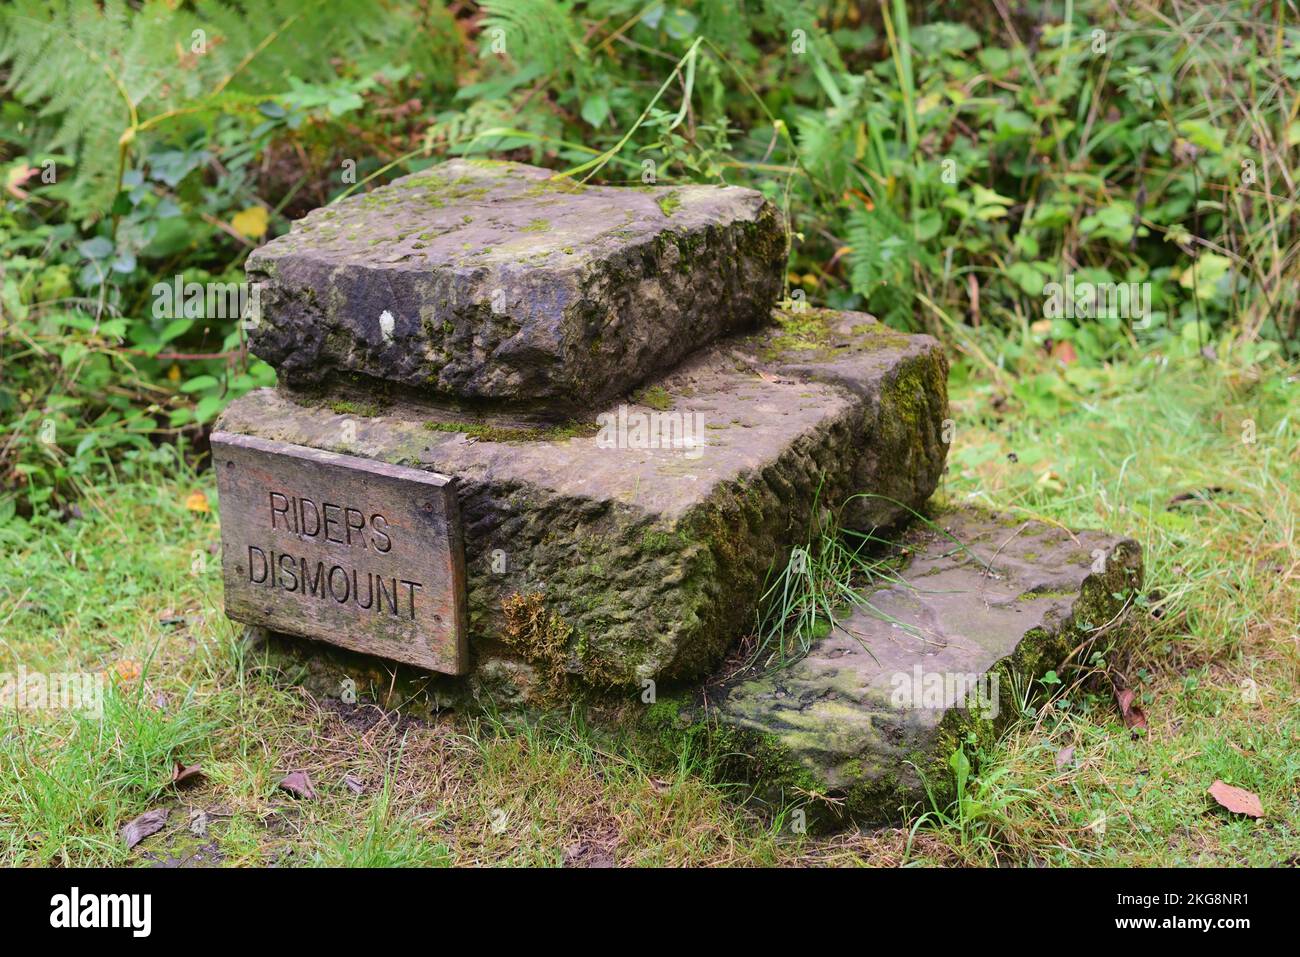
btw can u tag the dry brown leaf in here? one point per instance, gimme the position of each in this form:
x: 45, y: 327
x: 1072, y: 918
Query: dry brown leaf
x: 181, y: 774
x: 1134, y: 717
x: 150, y: 822
x: 1064, y: 352
x: 127, y: 670
x: 298, y: 783
x: 1237, y: 800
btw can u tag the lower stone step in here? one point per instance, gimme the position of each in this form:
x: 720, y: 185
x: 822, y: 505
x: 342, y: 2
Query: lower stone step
x: 858, y: 727
x: 635, y: 546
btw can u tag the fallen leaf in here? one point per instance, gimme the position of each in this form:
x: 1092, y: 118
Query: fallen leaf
x: 196, y: 501
x: 1065, y: 758
x: 182, y: 774
x: 1134, y: 717
x: 127, y: 670
x: 1064, y: 352
x: 150, y: 822
x: 354, y: 784
x: 1237, y: 800
x: 298, y: 783
x: 251, y: 222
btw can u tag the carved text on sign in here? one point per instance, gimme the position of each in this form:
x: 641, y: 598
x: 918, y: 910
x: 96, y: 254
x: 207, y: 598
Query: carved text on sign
x: 346, y: 550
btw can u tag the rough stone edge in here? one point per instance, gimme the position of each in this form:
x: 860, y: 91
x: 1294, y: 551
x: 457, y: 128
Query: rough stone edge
x: 685, y: 721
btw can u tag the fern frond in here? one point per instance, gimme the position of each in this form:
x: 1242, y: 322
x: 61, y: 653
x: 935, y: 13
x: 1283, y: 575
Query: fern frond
x: 102, y: 71
x: 542, y: 33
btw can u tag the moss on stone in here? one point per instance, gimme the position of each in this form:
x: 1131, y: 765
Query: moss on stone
x: 669, y: 203
x: 676, y: 725
x: 554, y: 184
x: 656, y: 542
x: 486, y: 432
x: 369, y: 409
x: 541, y: 636
x: 655, y: 397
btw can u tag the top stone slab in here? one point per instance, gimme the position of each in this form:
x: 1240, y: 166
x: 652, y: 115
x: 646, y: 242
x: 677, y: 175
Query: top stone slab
x: 483, y: 280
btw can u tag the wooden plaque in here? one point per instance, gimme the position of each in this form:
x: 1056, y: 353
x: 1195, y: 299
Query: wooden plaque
x: 345, y: 550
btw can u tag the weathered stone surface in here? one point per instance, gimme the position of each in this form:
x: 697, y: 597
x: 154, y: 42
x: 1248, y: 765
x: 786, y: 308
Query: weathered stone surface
x: 611, y: 565
x: 1009, y: 603
x: 492, y: 281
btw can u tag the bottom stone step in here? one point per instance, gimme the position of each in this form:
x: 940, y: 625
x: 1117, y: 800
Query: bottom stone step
x: 858, y: 727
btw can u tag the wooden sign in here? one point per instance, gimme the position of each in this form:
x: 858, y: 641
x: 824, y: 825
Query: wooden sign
x: 345, y: 550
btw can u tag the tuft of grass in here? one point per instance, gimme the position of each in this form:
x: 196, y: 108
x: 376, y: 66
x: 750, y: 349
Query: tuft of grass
x: 823, y: 581
x: 389, y: 839
x: 655, y: 397
x: 353, y: 407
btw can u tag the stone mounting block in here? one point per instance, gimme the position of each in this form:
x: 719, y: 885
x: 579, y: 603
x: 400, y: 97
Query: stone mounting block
x: 499, y: 282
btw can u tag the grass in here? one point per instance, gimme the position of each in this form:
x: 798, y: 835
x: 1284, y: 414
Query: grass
x: 1157, y: 450
x: 824, y: 579
x: 131, y: 589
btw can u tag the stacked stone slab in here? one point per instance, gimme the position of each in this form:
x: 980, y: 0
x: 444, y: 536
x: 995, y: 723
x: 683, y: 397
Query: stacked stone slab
x: 500, y: 284
x: 512, y: 329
